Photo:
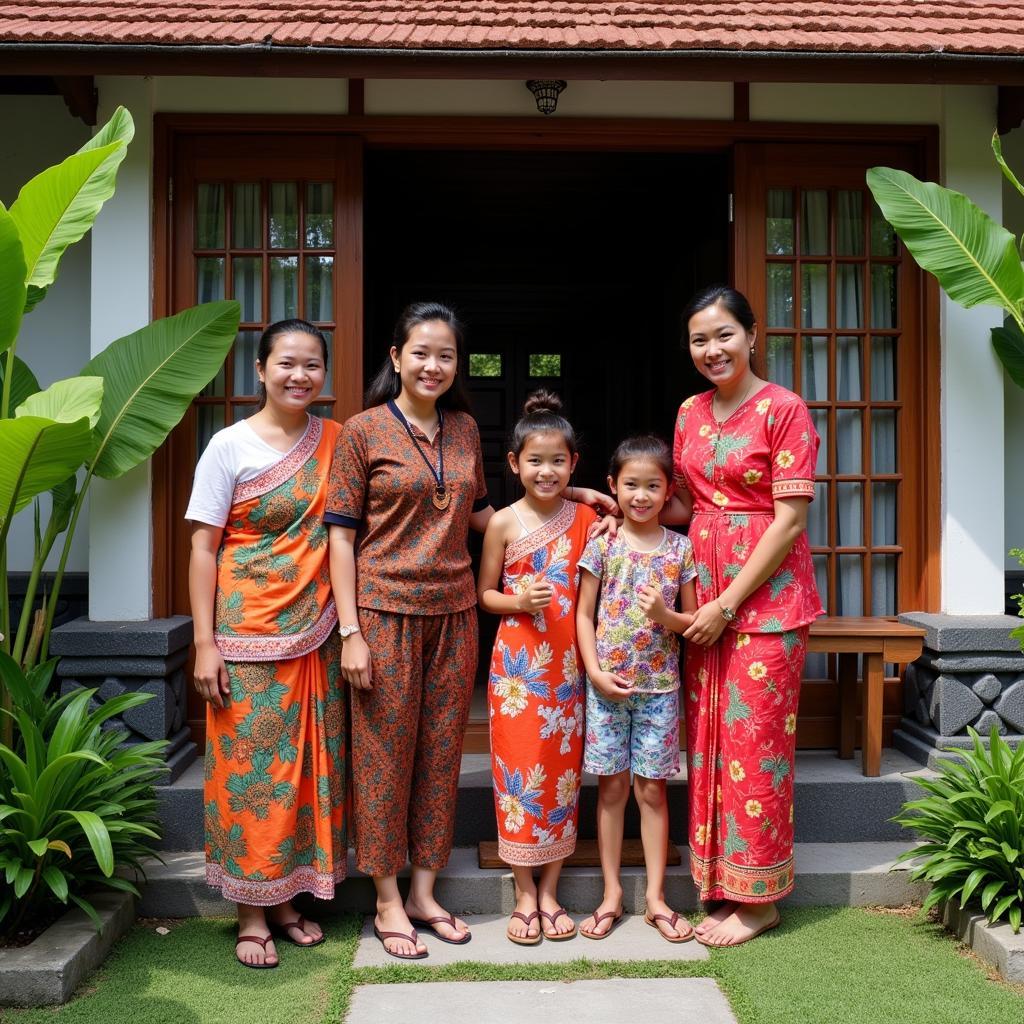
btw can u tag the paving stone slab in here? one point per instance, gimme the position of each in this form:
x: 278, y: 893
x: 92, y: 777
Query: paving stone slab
x: 610, y: 1001
x: 995, y: 943
x: 632, y: 939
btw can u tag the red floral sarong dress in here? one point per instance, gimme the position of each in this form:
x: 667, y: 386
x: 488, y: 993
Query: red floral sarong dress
x: 535, y: 697
x: 741, y: 695
x: 275, y: 758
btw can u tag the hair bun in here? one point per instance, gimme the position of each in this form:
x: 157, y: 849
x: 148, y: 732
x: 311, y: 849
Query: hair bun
x: 542, y: 400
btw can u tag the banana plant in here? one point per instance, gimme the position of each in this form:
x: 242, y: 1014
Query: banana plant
x: 975, y: 260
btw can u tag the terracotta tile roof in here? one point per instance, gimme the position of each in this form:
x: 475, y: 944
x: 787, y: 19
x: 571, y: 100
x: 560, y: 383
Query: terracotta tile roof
x: 835, y: 26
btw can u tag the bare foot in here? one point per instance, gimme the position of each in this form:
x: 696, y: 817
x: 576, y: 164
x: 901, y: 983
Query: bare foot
x: 602, y: 920
x: 391, y: 917
x: 660, y: 914
x: 717, y: 916
x: 746, y: 921
x: 428, y: 908
x: 287, y: 917
x: 252, y: 921
x: 526, y: 904
x: 557, y: 921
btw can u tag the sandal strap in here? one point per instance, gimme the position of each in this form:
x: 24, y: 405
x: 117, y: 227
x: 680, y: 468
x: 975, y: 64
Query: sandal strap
x: 552, y: 918
x: 448, y: 919
x: 258, y: 939
x: 412, y: 937
x: 598, y: 918
x: 526, y: 919
x: 670, y: 921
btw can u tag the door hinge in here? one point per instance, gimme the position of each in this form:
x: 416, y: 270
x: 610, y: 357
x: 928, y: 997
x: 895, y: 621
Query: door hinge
x: 731, y: 208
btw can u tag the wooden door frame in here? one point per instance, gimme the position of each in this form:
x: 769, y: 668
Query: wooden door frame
x: 602, y: 134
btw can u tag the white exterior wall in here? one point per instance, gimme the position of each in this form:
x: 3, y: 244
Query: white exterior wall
x: 54, y: 337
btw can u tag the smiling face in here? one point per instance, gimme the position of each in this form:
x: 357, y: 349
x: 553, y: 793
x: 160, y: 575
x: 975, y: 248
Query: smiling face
x: 641, y: 489
x: 427, y: 362
x: 294, y: 373
x: 544, y: 465
x: 720, y: 345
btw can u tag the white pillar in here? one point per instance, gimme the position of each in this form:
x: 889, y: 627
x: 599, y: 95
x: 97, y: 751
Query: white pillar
x: 120, y: 521
x: 973, y: 539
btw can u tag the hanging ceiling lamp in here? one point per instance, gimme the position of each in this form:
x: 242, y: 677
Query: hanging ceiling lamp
x: 545, y: 92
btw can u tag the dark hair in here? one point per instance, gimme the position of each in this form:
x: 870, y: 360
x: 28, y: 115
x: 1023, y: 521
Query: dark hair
x: 734, y: 302
x: 270, y: 336
x: 387, y: 384
x: 542, y: 414
x: 644, y: 446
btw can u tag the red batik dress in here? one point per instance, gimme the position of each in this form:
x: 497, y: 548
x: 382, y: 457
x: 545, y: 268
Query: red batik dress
x: 535, y: 697
x: 741, y: 694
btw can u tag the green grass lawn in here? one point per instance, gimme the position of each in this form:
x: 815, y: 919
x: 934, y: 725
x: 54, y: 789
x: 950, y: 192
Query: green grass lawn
x: 840, y: 966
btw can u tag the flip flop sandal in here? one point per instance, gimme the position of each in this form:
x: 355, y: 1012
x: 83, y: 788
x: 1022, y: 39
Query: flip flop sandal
x: 598, y: 918
x: 282, y: 928
x: 524, y: 940
x: 753, y: 935
x: 551, y: 919
x: 260, y: 941
x: 427, y: 925
x: 411, y: 937
x: 653, y: 919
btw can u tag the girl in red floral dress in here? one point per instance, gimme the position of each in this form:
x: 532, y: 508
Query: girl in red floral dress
x: 744, y: 456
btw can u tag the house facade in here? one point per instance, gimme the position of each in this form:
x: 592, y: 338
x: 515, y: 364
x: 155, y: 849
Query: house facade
x: 338, y: 162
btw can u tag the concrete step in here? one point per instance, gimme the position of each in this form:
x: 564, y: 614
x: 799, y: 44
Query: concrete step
x: 834, y: 802
x: 828, y: 874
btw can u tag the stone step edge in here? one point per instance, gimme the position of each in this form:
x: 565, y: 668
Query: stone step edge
x: 828, y: 874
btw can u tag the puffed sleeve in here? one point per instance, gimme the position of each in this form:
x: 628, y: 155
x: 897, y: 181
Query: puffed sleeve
x: 592, y: 558
x: 687, y: 565
x: 346, y: 496
x: 794, y: 450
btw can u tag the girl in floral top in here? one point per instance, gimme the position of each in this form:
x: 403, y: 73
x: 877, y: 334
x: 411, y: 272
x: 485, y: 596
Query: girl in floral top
x: 632, y: 662
x: 745, y: 456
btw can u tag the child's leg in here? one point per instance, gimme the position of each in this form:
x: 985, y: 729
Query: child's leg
x: 526, y: 904
x: 555, y: 919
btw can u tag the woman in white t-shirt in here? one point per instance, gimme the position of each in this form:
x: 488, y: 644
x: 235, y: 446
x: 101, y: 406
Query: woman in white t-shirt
x: 267, y: 652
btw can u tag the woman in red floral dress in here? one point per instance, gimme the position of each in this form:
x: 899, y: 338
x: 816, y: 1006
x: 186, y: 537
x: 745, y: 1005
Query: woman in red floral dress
x: 744, y: 457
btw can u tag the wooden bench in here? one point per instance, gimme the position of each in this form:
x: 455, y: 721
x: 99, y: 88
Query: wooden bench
x: 879, y: 640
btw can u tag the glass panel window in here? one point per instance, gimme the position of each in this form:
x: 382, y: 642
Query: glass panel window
x: 814, y: 222
x: 485, y: 364
x: 850, y: 222
x: 284, y: 287
x: 884, y: 312
x: 209, y: 278
x: 215, y: 389
x: 319, y: 288
x: 547, y: 365
x: 209, y: 419
x: 817, y: 517
x: 284, y: 215
x: 245, y: 376
x: 848, y: 441
x: 246, y: 218
x: 210, y: 216
x: 883, y: 369
x: 883, y: 584
x: 814, y: 369
x: 848, y: 369
x: 849, y: 585
x: 883, y: 513
x: 319, y: 215
x: 883, y: 441
x: 243, y: 412
x: 328, y: 391
x: 820, y: 419
x: 780, y: 222
x: 814, y: 295
x: 780, y: 295
x: 247, y: 281
x: 850, y: 295
x: 849, y: 514
x: 883, y: 238
x: 779, y: 360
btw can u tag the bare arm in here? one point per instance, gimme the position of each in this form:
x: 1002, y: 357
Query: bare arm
x: 768, y: 554
x: 678, y: 509
x: 609, y: 684
x: 210, y: 672
x: 478, y: 520
x: 355, y: 655
x: 535, y: 598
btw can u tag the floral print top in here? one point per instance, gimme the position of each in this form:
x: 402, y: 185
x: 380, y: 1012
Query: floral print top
x: 628, y: 642
x: 734, y: 471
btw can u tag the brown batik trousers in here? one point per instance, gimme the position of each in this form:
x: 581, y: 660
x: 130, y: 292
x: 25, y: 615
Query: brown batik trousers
x: 407, y: 736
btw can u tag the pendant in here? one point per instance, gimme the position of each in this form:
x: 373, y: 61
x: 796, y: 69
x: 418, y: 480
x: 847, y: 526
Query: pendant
x: 442, y: 497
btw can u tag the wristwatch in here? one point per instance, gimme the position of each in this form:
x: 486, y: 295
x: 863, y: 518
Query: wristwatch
x: 727, y: 613
x: 346, y: 631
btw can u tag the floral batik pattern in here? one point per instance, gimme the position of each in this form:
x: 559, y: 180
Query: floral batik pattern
x: 741, y: 695
x: 275, y: 777
x: 536, y: 697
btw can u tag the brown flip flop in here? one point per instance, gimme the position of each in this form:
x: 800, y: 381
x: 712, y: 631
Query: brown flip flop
x: 411, y: 937
x: 653, y: 919
x: 260, y: 941
x: 282, y: 927
x: 551, y: 919
x: 427, y: 924
x: 753, y: 935
x: 524, y: 940
x: 598, y: 918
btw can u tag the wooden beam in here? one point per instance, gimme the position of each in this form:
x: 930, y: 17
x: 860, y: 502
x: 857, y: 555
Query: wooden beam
x: 356, y: 97
x: 80, y: 95
x: 741, y: 101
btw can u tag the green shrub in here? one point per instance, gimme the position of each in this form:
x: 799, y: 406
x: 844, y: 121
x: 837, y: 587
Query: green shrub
x: 973, y: 826
x: 76, y: 804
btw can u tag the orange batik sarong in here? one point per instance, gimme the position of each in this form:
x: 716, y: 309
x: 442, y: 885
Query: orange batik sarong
x: 275, y: 755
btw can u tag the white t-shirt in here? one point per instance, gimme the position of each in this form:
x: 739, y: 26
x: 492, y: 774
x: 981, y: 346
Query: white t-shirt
x: 234, y: 454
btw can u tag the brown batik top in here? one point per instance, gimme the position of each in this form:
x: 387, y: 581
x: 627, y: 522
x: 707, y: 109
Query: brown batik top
x: 411, y: 557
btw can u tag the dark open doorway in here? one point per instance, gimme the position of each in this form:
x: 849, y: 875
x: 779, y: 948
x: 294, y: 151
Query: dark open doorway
x: 570, y: 270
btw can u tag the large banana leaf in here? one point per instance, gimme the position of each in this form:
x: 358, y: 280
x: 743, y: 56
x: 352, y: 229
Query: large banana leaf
x: 12, y: 280
x: 23, y: 383
x: 67, y: 400
x: 150, y: 378
x: 974, y: 258
x: 1009, y: 345
x: 56, y: 207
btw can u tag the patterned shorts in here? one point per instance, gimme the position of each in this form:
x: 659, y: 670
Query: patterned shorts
x: 640, y: 733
